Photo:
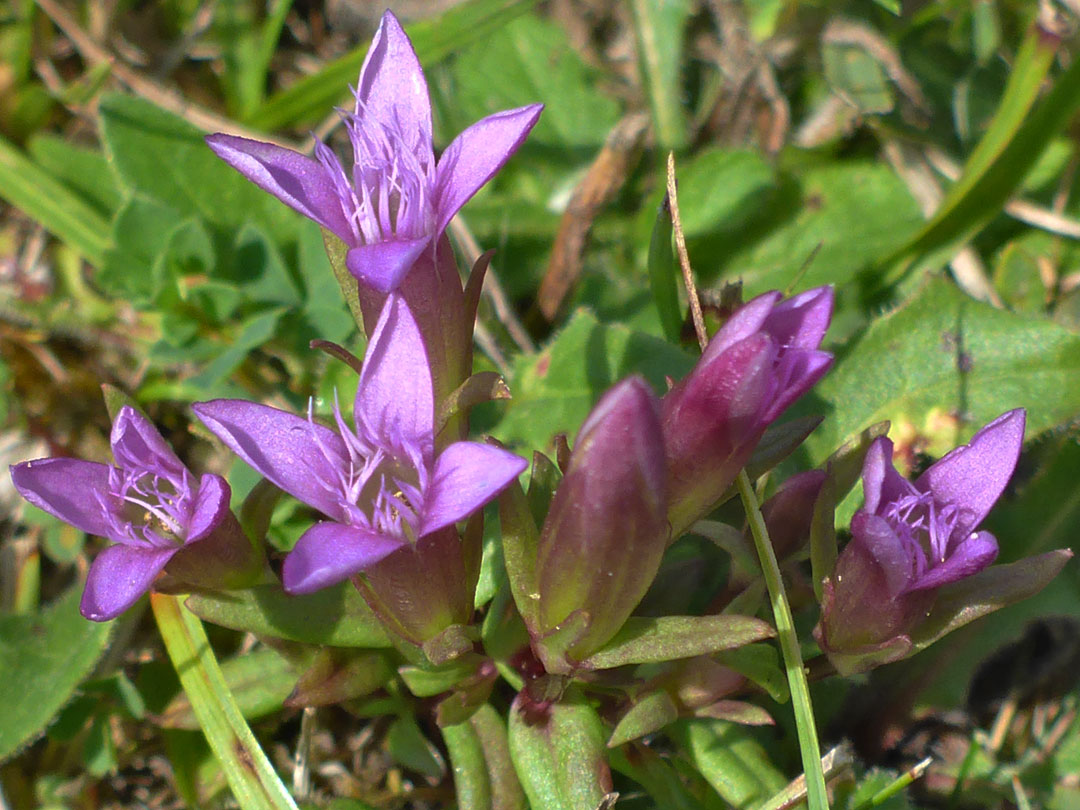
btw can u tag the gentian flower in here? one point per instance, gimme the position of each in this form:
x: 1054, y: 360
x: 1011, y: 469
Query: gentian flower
x: 606, y: 531
x: 911, y: 539
x: 150, y: 505
x: 764, y: 358
x: 381, y: 484
x: 396, y: 201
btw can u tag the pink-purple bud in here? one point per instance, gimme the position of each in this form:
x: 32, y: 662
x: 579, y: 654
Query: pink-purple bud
x: 763, y: 359
x: 606, y: 531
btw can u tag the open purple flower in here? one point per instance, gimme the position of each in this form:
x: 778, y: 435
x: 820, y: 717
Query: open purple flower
x: 382, y: 485
x: 149, y: 505
x: 911, y: 539
x: 397, y: 201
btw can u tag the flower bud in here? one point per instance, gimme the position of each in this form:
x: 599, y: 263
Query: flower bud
x: 763, y: 359
x: 606, y: 530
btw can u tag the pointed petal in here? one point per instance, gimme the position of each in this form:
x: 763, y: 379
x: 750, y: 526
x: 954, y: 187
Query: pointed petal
x: 392, y: 86
x: 888, y: 551
x: 211, y: 506
x: 882, y: 484
x: 118, y: 577
x: 796, y: 373
x: 974, y: 476
x: 747, y: 320
x: 327, y: 553
x: 137, y: 445
x: 383, y: 265
x: 467, y: 476
x: 394, y: 400
x: 475, y: 155
x: 800, y: 322
x: 970, y: 557
x: 304, y: 459
x: 298, y: 181
x: 67, y: 488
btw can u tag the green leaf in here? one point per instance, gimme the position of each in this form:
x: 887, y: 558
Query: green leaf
x: 43, y: 198
x: 433, y: 39
x: 336, y: 616
x: 943, y: 354
x: 841, y: 217
x: 519, y: 539
x: 163, y: 157
x: 484, y: 776
x: 555, y: 389
x: 648, y: 714
x: 722, y: 190
x: 672, y: 787
x: 658, y: 28
x: 663, y: 273
x: 254, y: 783
x: 983, y: 593
x: 652, y: 640
x: 730, y: 759
x: 82, y: 169
x: 559, y: 754
x: 515, y: 66
x: 47, y: 655
x: 411, y: 748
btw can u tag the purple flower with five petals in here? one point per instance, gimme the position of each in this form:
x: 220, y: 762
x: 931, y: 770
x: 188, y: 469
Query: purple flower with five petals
x: 149, y: 504
x: 397, y: 200
x: 910, y: 539
x: 382, y: 485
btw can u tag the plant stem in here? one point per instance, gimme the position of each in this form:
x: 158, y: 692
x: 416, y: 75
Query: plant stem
x: 255, y: 784
x: 817, y: 799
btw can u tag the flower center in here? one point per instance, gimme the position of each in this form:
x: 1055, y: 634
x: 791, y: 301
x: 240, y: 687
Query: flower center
x: 154, y: 510
x: 393, y: 176
x: 925, y: 527
x: 379, y: 489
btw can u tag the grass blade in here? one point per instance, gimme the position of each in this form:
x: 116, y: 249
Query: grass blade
x: 254, y: 783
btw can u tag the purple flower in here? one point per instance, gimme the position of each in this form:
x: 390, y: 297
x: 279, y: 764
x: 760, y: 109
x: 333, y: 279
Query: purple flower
x: 382, y: 485
x: 764, y: 358
x: 149, y: 505
x: 910, y: 539
x: 397, y: 200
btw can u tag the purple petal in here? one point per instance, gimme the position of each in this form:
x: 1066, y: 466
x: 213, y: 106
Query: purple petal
x: 475, y: 155
x: 302, y: 458
x: 394, y: 401
x: 118, y: 577
x: 974, y: 476
x: 970, y: 557
x: 882, y: 484
x: 210, y: 507
x: 67, y: 488
x: 330, y: 552
x: 298, y: 181
x: 467, y: 475
x: 887, y: 549
x: 796, y: 373
x: 392, y: 86
x: 800, y: 322
x: 383, y: 265
x: 747, y: 320
x: 137, y: 445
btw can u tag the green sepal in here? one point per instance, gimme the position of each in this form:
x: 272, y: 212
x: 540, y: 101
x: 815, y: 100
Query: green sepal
x: 649, y: 713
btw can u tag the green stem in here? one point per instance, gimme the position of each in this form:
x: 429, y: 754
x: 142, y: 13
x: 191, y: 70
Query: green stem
x: 817, y: 799
x: 254, y: 783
